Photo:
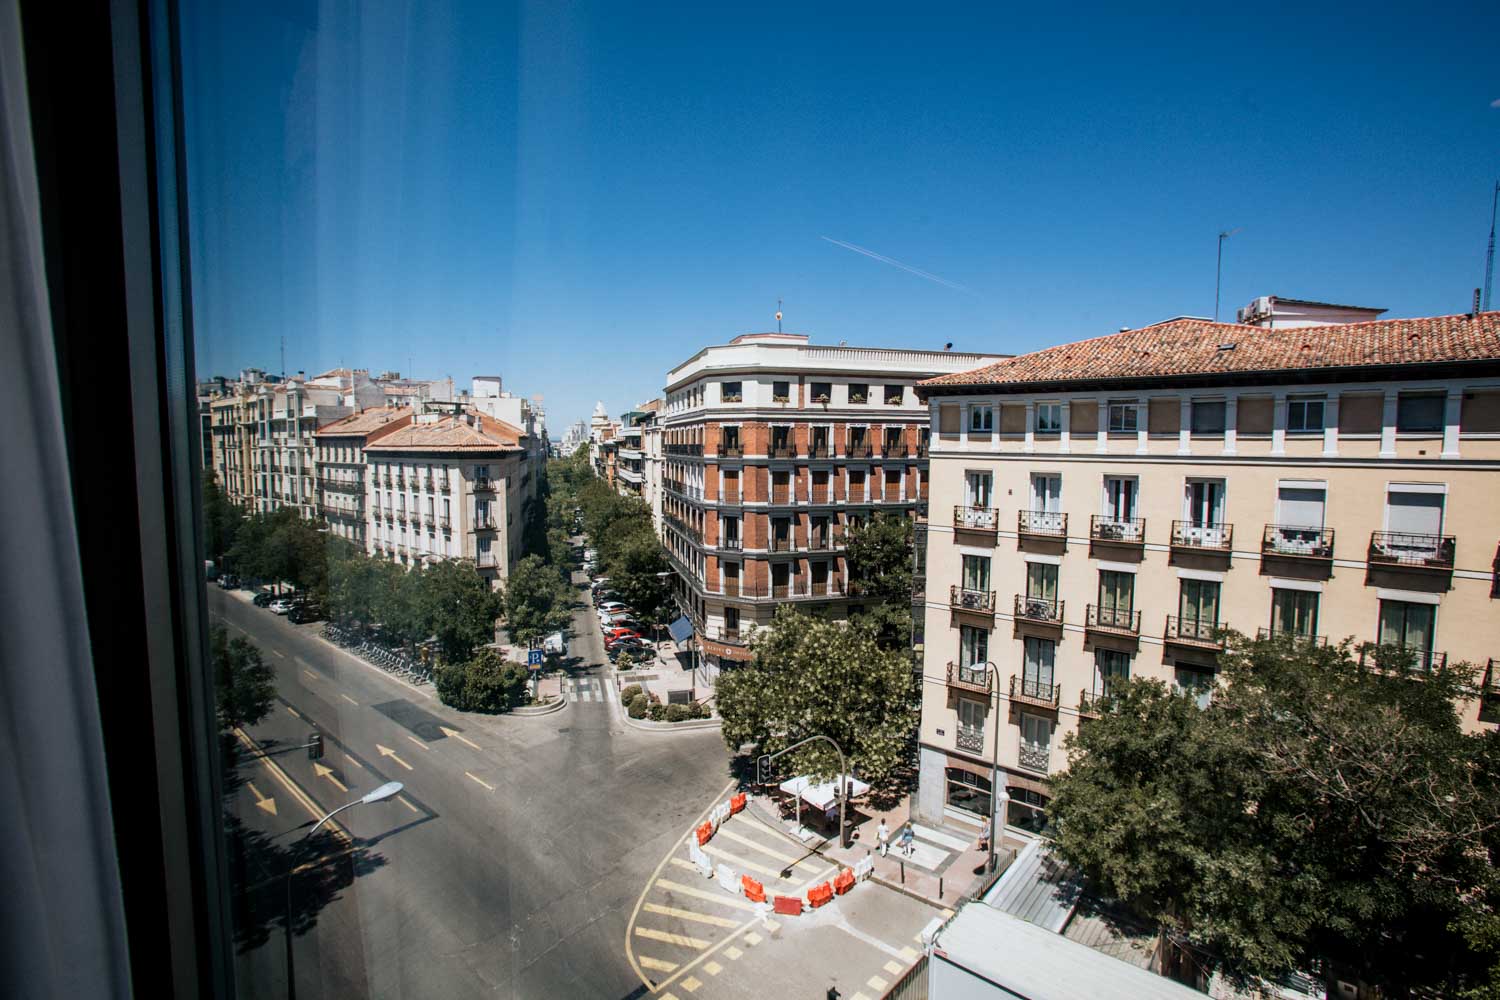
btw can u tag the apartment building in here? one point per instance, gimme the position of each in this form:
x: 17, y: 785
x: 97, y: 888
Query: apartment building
x: 630, y: 456
x: 772, y: 447
x: 1103, y: 509
x: 340, y: 462
x: 263, y: 440
x: 449, y: 485
x: 652, y: 448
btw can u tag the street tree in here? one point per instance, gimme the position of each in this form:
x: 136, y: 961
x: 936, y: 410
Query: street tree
x: 814, y: 677
x: 458, y: 608
x: 537, y: 600
x: 244, y: 684
x: 221, y: 519
x: 486, y: 683
x: 634, y: 561
x: 879, y: 555
x: 1319, y: 810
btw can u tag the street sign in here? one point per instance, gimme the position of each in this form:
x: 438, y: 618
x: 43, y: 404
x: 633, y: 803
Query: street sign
x: 534, y: 659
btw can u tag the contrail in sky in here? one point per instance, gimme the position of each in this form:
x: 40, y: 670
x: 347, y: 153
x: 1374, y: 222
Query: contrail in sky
x: 896, y: 263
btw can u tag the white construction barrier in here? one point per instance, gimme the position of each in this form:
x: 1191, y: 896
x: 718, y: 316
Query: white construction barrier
x: 728, y: 880
x: 700, y: 859
x: 863, y: 869
x: 720, y: 814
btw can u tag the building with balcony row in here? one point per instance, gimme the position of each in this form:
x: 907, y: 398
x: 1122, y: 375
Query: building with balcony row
x: 771, y: 448
x: 340, y: 459
x: 1105, y: 509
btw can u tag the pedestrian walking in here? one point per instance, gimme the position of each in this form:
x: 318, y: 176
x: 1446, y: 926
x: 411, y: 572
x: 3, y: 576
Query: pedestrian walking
x: 908, y: 840
x: 984, y: 835
x: 882, y: 836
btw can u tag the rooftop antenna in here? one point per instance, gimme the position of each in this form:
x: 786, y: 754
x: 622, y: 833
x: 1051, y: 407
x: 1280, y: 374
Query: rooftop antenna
x: 778, y: 301
x: 283, y: 357
x: 1219, y: 268
x: 1489, y: 257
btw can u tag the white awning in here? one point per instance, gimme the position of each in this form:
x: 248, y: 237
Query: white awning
x: 822, y: 795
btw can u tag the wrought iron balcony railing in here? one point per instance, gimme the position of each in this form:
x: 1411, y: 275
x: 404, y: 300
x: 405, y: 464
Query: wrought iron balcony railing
x: 1217, y: 537
x: 975, y: 518
x: 1398, y: 548
x: 1124, y: 621
x: 964, y: 599
x: 969, y: 739
x: 1031, y: 691
x: 976, y: 679
x: 1194, y: 632
x: 1034, y: 757
x: 1300, y: 637
x: 1295, y: 542
x: 1039, y: 609
x: 1047, y: 523
x: 1120, y: 530
x: 1408, y: 660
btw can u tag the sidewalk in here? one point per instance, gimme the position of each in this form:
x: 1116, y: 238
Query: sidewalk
x: 944, y: 866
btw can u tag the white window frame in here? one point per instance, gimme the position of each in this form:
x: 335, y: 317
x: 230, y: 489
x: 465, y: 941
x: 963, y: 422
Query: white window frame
x: 1304, y: 401
x: 1053, y: 427
x: 985, y: 410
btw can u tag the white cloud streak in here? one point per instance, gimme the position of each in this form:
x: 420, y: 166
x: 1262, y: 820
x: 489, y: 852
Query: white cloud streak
x: 896, y: 263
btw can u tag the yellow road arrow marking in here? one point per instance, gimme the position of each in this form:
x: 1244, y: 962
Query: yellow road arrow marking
x: 455, y: 734
x: 353, y: 761
x: 486, y: 784
x: 268, y: 804
x: 324, y: 771
x: 294, y: 711
x: 418, y: 742
x: 388, y: 752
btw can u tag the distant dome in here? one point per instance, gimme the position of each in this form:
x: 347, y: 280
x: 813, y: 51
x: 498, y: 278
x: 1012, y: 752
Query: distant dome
x: 599, y: 410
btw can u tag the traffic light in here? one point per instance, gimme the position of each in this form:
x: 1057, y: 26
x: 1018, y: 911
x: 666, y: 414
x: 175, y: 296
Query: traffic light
x: 315, y: 746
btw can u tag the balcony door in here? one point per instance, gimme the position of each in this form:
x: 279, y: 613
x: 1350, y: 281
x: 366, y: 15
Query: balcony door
x: 1041, y: 585
x: 1407, y: 624
x: 973, y: 647
x: 1294, y: 611
x: 1204, y: 511
x: 1120, y: 495
x: 730, y: 528
x: 977, y: 573
x: 1116, y: 598
x: 1046, y: 493
x: 1199, y: 606
x: 1041, y: 656
x: 978, y: 489
x: 1111, y: 668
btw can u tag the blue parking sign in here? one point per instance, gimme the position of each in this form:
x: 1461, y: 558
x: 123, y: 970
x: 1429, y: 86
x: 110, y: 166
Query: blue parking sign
x: 533, y: 658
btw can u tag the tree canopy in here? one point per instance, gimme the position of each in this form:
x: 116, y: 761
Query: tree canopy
x: 537, y: 600
x: 879, y: 554
x: 486, y: 683
x: 1318, y: 810
x: 244, y: 684
x: 814, y: 677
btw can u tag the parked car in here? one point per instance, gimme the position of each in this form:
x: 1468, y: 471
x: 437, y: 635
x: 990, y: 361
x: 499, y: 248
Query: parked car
x: 624, y: 625
x: 620, y: 631
x: 633, y: 646
x: 610, y: 621
x: 612, y: 606
x: 282, y: 605
x: 303, y: 613
x: 628, y: 637
x: 263, y: 599
x: 228, y: 581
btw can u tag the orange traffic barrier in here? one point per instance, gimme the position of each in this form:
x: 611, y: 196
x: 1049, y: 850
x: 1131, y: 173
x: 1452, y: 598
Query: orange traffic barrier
x: 843, y: 881
x: 736, y: 803
x: 789, y: 905
x: 819, y: 894
x: 704, y: 832
x: 754, y: 891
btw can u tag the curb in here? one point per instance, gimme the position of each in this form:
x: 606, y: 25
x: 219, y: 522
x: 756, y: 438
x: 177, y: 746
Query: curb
x: 647, y: 726
x: 526, y: 711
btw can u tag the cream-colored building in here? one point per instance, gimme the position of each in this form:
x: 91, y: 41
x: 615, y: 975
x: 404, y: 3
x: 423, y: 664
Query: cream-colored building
x: 340, y: 460
x: 449, y: 486
x: 1101, y: 509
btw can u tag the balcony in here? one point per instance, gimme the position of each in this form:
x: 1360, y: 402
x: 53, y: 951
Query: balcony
x: 1090, y: 703
x: 1206, y: 537
x: 484, y: 522
x: 975, y: 518
x: 922, y: 449
x: 732, y: 544
x: 1197, y: 632
x: 1039, y: 610
x: 819, y: 449
x: 730, y: 587
x: 831, y: 587
x: 783, y: 451
x: 818, y: 494
x: 783, y: 544
x: 487, y: 560
x: 1117, y: 530
x: 1297, y: 543
x: 973, y: 679
x: 1031, y: 691
x: 400, y: 517
x: 443, y: 485
x: 859, y: 449
x: 781, y: 495
x: 1115, y: 621
x: 690, y: 450
x: 1042, y: 523
x: 857, y: 495
x: 727, y: 634
x: 484, y: 486
x: 820, y: 542
x: 1280, y: 634
x: 781, y: 590
x: 445, y: 523
x: 1034, y: 758
x: 893, y: 450
x: 1408, y: 551
x: 730, y: 449
x: 978, y: 601
x: 1398, y: 661
x: 969, y: 739
x: 729, y: 496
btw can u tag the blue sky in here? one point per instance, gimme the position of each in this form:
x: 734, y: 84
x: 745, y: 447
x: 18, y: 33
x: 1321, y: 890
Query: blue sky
x: 577, y: 197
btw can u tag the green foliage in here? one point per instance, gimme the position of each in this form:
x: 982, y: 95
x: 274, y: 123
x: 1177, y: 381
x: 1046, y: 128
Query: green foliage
x: 221, y: 519
x: 1316, y: 810
x: 244, y: 684
x: 879, y: 553
x: 628, y: 693
x: 458, y: 608
x: 537, y: 600
x: 657, y: 712
x: 487, y: 683
x: 698, y: 710
x: 282, y: 546
x: 677, y: 713
x: 811, y: 677
x: 637, y: 707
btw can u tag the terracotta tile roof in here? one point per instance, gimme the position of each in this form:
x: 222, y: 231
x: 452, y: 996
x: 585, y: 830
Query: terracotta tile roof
x: 367, y: 422
x: 1192, y: 347
x: 336, y: 373
x: 453, y: 433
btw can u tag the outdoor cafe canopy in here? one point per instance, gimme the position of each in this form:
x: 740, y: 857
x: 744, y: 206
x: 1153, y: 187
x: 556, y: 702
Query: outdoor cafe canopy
x: 822, y: 795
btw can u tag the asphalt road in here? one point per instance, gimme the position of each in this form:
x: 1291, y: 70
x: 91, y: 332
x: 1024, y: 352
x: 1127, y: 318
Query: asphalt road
x: 508, y: 867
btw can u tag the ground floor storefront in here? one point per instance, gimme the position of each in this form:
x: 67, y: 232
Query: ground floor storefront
x: 952, y: 788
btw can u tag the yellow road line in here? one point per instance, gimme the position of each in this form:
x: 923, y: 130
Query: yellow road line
x: 402, y: 799
x: 313, y: 809
x: 481, y: 781
x: 681, y: 940
x: 294, y: 711
x: 715, y: 897
x: 348, y: 699
x: 719, y: 852
x: 724, y: 831
x: 419, y: 743
x: 657, y: 964
x: 354, y: 762
x: 310, y: 673
x: 702, y: 918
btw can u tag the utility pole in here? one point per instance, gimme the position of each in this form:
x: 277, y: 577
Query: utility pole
x: 1219, y: 267
x: 1489, y: 257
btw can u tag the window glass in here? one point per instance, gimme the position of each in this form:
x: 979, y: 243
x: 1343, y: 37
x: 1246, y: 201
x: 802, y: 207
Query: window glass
x: 1304, y: 414
x: 859, y: 392
x: 971, y: 713
x: 973, y: 646
x: 1294, y: 611
x: 1048, y: 418
x: 1041, y: 581
x: 1419, y: 412
x: 1120, y: 497
x: 781, y: 392
x: 1111, y: 667
x: 1040, y: 657
x: 1208, y: 417
x: 894, y: 394
x: 1116, y: 594
x: 1406, y: 623
x: 1200, y: 601
x: 822, y: 392
x: 981, y: 418
x: 1123, y: 417
x: 976, y: 573
x: 730, y: 392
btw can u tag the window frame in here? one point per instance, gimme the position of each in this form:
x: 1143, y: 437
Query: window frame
x: 1051, y: 427
x: 1129, y: 408
x: 1305, y: 402
x: 988, y: 411
x: 1205, y: 406
x: 1412, y: 396
x: 737, y: 396
x: 781, y: 392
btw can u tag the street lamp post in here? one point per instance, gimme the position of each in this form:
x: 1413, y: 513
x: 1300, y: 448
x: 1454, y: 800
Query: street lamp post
x: 997, y: 815
x: 385, y: 791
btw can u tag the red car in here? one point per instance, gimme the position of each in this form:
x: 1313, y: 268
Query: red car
x: 622, y: 634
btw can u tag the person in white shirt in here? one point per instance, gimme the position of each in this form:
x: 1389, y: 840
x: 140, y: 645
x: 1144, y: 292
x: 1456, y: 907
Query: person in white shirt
x: 882, y: 836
